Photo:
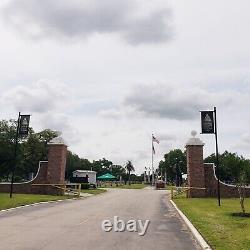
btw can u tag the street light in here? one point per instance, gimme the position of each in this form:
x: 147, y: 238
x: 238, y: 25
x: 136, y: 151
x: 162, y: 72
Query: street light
x: 178, y: 178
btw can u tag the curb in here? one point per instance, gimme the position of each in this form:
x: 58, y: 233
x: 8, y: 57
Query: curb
x: 37, y: 203
x: 46, y: 202
x: 194, y: 231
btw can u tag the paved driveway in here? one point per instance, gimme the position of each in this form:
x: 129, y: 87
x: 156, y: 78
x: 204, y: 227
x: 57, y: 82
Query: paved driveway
x: 76, y: 225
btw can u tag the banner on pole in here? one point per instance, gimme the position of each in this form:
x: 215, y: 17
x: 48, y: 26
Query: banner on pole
x: 24, y: 124
x: 207, y: 122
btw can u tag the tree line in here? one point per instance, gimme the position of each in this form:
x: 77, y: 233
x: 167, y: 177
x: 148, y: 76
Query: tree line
x: 101, y: 166
x: 233, y: 168
x: 34, y: 148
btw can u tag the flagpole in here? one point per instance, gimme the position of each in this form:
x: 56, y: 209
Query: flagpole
x: 217, y: 157
x: 153, y: 178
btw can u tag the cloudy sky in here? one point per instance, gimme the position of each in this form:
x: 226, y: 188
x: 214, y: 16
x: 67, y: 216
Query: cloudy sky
x: 110, y: 73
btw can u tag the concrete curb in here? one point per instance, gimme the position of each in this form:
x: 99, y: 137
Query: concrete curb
x: 46, y: 202
x: 194, y: 231
x: 39, y: 203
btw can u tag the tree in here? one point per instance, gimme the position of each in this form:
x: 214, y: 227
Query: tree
x: 242, y: 179
x: 7, y: 135
x: 118, y: 170
x: 169, y: 164
x: 31, y: 152
x: 138, y: 178
x: 102, y: 166
x: 130, y: 168
x: 230, y: 165
x: 33, y: 149
x: 74, y: 162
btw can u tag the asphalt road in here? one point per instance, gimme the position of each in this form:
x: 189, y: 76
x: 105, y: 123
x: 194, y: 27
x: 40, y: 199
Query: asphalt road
x: 73, y: 225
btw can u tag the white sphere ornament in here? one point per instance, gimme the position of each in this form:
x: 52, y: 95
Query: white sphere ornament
x: 193, y: 133
x: 194, y: 141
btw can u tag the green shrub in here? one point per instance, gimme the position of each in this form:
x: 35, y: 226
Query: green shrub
x: 85, y: 185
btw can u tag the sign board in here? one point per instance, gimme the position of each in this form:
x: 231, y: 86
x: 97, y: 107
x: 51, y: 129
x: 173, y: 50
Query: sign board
x: 24, y: 124
x: 207, y: 122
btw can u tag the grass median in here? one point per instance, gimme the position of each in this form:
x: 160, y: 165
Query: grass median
x: 219, y: 227
x: 25, y: 199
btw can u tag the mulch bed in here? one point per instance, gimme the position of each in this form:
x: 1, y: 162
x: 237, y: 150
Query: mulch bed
x: 247, y: 215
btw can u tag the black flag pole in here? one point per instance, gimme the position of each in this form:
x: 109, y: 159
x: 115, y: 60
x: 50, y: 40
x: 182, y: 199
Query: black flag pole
x: 15, y: 154
x: 22, y: 130
x: 209, y: 126
x: 217, y: 155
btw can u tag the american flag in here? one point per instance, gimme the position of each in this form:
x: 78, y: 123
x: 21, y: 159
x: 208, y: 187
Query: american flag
x: 154, y: 139
x: 153, y: 149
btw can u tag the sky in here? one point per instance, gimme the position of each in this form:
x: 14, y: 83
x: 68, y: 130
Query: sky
x: 108, y: 74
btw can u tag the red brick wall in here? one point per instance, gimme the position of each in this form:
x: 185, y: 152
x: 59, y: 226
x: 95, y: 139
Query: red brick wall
x: 28, y: 188
x: 227, y: 191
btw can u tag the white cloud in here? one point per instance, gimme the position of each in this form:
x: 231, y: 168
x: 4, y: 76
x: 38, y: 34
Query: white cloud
x: 165, y: 137
x: 169, y: 101
x: 63, y: 123
x: 77, y: 19
x: 50, y: 104
x: 40, y: 97
x: 172, y: 101
x: 110, y: 113
x: 243, y: 143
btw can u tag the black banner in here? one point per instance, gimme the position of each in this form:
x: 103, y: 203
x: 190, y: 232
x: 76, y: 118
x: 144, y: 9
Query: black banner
x: 24, y: 124
x: 207, y: 122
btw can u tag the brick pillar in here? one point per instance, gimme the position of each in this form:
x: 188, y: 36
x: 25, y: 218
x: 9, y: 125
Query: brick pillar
x: 195, y: 166
x: 56, y: 161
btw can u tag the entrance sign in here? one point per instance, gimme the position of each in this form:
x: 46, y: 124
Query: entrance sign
x: 207, y: 122
x: 24, y: 124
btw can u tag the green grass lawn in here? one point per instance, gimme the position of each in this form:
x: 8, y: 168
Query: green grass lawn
x: 216, y: 224
x: 93, y: 191
x: 24, y: 199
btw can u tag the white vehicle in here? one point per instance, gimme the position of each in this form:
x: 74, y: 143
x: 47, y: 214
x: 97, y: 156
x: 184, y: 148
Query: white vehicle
x: 86, y: 173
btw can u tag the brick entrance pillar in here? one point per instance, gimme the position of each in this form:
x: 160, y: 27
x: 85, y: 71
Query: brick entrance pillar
x: 195, y: 166
x: 56, y: 161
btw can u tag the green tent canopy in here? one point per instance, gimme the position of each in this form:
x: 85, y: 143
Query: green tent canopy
x: 106, y: 177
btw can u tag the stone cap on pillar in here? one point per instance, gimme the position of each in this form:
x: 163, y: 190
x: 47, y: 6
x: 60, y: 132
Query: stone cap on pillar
x: 194, y: 141
x: 57, y: 141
